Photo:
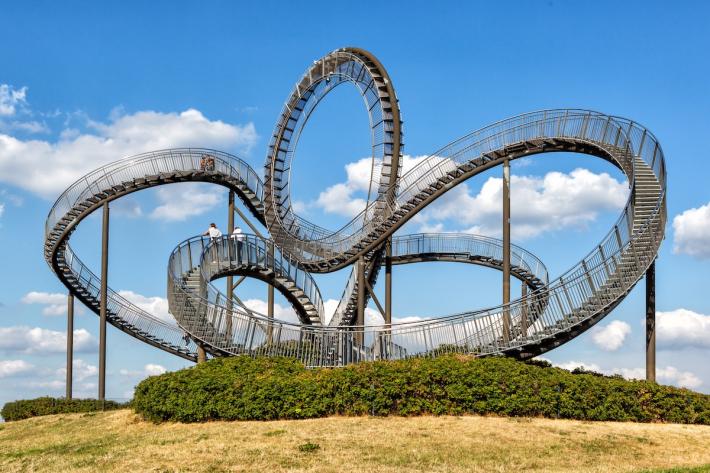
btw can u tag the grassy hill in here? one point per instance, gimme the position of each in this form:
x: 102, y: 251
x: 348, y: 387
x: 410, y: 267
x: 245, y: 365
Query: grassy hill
x: 119, y: 441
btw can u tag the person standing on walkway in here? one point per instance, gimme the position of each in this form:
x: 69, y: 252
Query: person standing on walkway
x: 214, y: 233
x: 240, y: 237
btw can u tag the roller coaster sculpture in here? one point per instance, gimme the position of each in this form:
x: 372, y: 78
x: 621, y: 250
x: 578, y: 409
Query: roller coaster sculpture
x: 549, y: 312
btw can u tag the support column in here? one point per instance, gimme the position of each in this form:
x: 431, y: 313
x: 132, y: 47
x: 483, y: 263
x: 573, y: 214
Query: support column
x: 360, y: 299
x: 270, y: 313
x: 201, y: 354
x: 230, y: 279
x: 388, y: 282
x: 651, y: 322
x: 506, y: 250
x: 524, y: 313
x: 103, y: 303
x: 70, y: 344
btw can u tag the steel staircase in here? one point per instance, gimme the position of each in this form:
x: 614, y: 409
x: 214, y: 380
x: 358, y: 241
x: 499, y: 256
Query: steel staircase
x: 551, y: 313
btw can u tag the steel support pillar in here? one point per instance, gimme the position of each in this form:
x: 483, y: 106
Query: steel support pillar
x: 388, y: 282
x: 270, y: 313
x: 360, y: 299
x: 103, y: 303
x: 506, y: 250
x: 651, y: 322
x: 524, y: 313
x: 70, y: 344
x: 230, y: 279
x: 201, y: 354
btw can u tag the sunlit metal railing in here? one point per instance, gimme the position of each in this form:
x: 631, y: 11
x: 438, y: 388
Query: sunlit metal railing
x: 313, y: 243
x: 155, y: 163
x: 458, y: 246
x: 126, y: 315
x: 580, y: 296
x: 582, y: 293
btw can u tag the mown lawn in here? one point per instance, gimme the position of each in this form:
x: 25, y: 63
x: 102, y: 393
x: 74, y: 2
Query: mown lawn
x: 120, y: 441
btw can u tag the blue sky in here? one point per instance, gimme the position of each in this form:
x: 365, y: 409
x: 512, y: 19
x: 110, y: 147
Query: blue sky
x: 83, y: 84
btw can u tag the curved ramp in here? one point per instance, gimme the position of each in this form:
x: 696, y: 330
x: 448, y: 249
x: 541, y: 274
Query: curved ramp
x: 550, y: 314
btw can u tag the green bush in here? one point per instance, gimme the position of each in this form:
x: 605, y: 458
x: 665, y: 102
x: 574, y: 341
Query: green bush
x: 243, y: 388
x: 42, y: 406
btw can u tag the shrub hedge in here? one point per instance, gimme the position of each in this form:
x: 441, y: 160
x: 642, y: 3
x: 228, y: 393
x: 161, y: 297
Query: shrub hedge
x: 243, y: 388
x: 42, y: 406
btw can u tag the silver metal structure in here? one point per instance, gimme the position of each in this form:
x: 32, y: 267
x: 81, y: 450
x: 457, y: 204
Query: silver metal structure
x: 548, y: 313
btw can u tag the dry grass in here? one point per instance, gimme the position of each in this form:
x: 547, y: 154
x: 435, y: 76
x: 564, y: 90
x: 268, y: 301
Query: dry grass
x: 119, y: 441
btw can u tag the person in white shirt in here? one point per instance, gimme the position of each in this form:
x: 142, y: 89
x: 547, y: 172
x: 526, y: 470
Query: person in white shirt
x: 213, y: 232
x: 238, y: 235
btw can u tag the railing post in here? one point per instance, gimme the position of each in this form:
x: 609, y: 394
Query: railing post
x: 590, y: 281
x: 465, y: 333
x: 606, y: 263
x: 651, y: 322
x: 70, y: 344
x: 643, y: 141
x: 506, y: 250
x: 299, y: 351
x: 606, y: 127
x: 103, y: 307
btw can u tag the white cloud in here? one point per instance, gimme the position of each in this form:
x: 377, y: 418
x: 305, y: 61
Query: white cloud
x: 329, y: 307
x: 180, y: 202
x: 571, y: 365
x: 47, y: 168
x: 126, y: 207
x: 23, y: 339
x: 338, y: 200
x: 684, y: 379
x: 44, y: 380
x: 32, y: 126
x: 349, y: 198
x: 151, y: 369
x: 81, y: 370
x: 611, y: 336
x: 285, y: 313
x: 300, y: 207
x: 538, y: 204
x: 666, y: 375
x: 431, y: 228
x: 51, y: 384
x: 55, y: 303
x: 691, y: 232
x: 14, y: 199
x: 407, y: 320
x: 682, y: 328
x: 13, y: 367
x: 11, y: 99
x: 372, y: 316
x: 156, y: 306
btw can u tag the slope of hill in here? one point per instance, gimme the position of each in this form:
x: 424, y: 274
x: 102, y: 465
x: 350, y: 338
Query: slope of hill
x: 120, y: 441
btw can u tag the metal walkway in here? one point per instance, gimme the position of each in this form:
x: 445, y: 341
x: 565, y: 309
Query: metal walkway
x: 547, y: 315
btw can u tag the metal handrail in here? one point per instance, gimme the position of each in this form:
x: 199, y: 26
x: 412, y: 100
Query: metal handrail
x: 582, y: 293
x: 578, y: 287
